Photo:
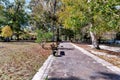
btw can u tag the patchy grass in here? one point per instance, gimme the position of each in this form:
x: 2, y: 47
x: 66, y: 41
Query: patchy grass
x: 114, y: 60
x: 21, y: 60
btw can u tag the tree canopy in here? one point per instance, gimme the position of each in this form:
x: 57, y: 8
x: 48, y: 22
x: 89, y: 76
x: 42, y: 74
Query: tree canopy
x: 13, y: 14
x: 101, y: 15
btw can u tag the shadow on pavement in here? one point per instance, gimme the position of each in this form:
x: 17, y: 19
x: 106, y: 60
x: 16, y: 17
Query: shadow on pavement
x: 106, y: 76
x: 63, y: 48
x: 62, y: 53
x: 69, y: 78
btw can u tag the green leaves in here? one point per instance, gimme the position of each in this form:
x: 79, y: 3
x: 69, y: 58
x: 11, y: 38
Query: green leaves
x: 6, y: 31
x: 73, y: 15
x: 43, y: 36
x: 14, y: 14
x: 102, y: 14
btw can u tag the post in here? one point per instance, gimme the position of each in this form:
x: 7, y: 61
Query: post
x: 58, y: 39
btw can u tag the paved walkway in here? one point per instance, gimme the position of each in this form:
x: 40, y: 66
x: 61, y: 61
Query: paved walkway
x: 74, y: 65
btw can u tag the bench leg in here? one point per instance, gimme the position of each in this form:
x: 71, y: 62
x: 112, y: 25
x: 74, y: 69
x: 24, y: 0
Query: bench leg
x: 55, y: 52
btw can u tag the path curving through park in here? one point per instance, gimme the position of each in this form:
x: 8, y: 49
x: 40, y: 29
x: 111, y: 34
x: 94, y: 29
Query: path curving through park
x: 72, y: 64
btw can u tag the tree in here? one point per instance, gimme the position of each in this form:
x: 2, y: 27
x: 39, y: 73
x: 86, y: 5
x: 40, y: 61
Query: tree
x: 67, y: 33
x: 6, y: 32
x: 44, y: 14
x: 43, y: 36
x: 99, y: 15
x: 103, y: 17
x: 2, y: 17
x: 14, y: 15
x: 72, y: 16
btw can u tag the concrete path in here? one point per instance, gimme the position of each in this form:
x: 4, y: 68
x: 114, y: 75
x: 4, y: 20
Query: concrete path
x: 74, y: 65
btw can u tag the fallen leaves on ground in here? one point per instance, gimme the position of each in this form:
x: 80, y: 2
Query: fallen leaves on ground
x: 21, y: 60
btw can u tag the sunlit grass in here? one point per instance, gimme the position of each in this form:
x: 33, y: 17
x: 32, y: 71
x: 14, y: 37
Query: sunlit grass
x: 20, y: 61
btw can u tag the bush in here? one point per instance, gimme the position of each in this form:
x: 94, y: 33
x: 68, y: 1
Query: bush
x: 7, y: 31
x: 43, y: 36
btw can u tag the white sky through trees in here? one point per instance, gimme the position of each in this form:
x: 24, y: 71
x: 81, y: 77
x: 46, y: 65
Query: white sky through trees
x: 27, y: 1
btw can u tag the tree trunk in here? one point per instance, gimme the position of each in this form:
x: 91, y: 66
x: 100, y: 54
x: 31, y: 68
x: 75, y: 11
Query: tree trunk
x: 7, y: 39
x: 94, y: 39
x: 17, y: 37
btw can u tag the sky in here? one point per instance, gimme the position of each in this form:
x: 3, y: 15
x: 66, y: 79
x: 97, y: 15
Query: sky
x: 27, y: 1
x: 118, y: 7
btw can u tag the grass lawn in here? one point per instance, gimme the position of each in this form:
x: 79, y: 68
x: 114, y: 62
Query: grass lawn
x: 21, y: 60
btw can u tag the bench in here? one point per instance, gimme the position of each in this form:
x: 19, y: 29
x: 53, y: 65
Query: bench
x: 54, y: 49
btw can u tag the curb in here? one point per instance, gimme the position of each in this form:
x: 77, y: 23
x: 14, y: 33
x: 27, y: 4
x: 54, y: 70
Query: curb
x: 43, y: 71
x: 99, y: 60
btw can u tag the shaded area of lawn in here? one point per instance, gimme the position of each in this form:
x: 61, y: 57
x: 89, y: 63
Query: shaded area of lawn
x: 21, y: 60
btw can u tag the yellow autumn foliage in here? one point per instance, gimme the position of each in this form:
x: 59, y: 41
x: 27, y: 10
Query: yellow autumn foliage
x: 6, y: 31
x: 72, y: 13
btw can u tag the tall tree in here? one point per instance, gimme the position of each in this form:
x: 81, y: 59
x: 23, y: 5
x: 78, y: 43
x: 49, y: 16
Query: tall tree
x: 2, y: 17
x: 99, y: 15
x: 44, y: 14
x: 72, y: 16
x: 15, y: 15
x: 103, y: 17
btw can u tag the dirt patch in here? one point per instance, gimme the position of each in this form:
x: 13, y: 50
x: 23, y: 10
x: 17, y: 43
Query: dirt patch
x: 110, y: 55
x: 21, y: 60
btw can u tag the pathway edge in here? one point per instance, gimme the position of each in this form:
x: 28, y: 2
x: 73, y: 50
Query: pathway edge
x: 43, y: 71
x: 99, y: 60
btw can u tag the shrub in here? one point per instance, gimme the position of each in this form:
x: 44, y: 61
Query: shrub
x: 6, y: 32
x: 43, y: 36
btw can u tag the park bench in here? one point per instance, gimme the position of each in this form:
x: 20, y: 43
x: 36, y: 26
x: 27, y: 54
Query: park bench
x: 54, y: 49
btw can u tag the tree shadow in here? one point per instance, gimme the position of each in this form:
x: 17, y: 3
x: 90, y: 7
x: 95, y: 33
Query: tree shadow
x: 69, y: 78
x: 63, y: 48
x: 59, y: 47
x: 106, y: 76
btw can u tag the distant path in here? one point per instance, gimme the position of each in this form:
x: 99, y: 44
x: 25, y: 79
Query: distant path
x: 75, y: 65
